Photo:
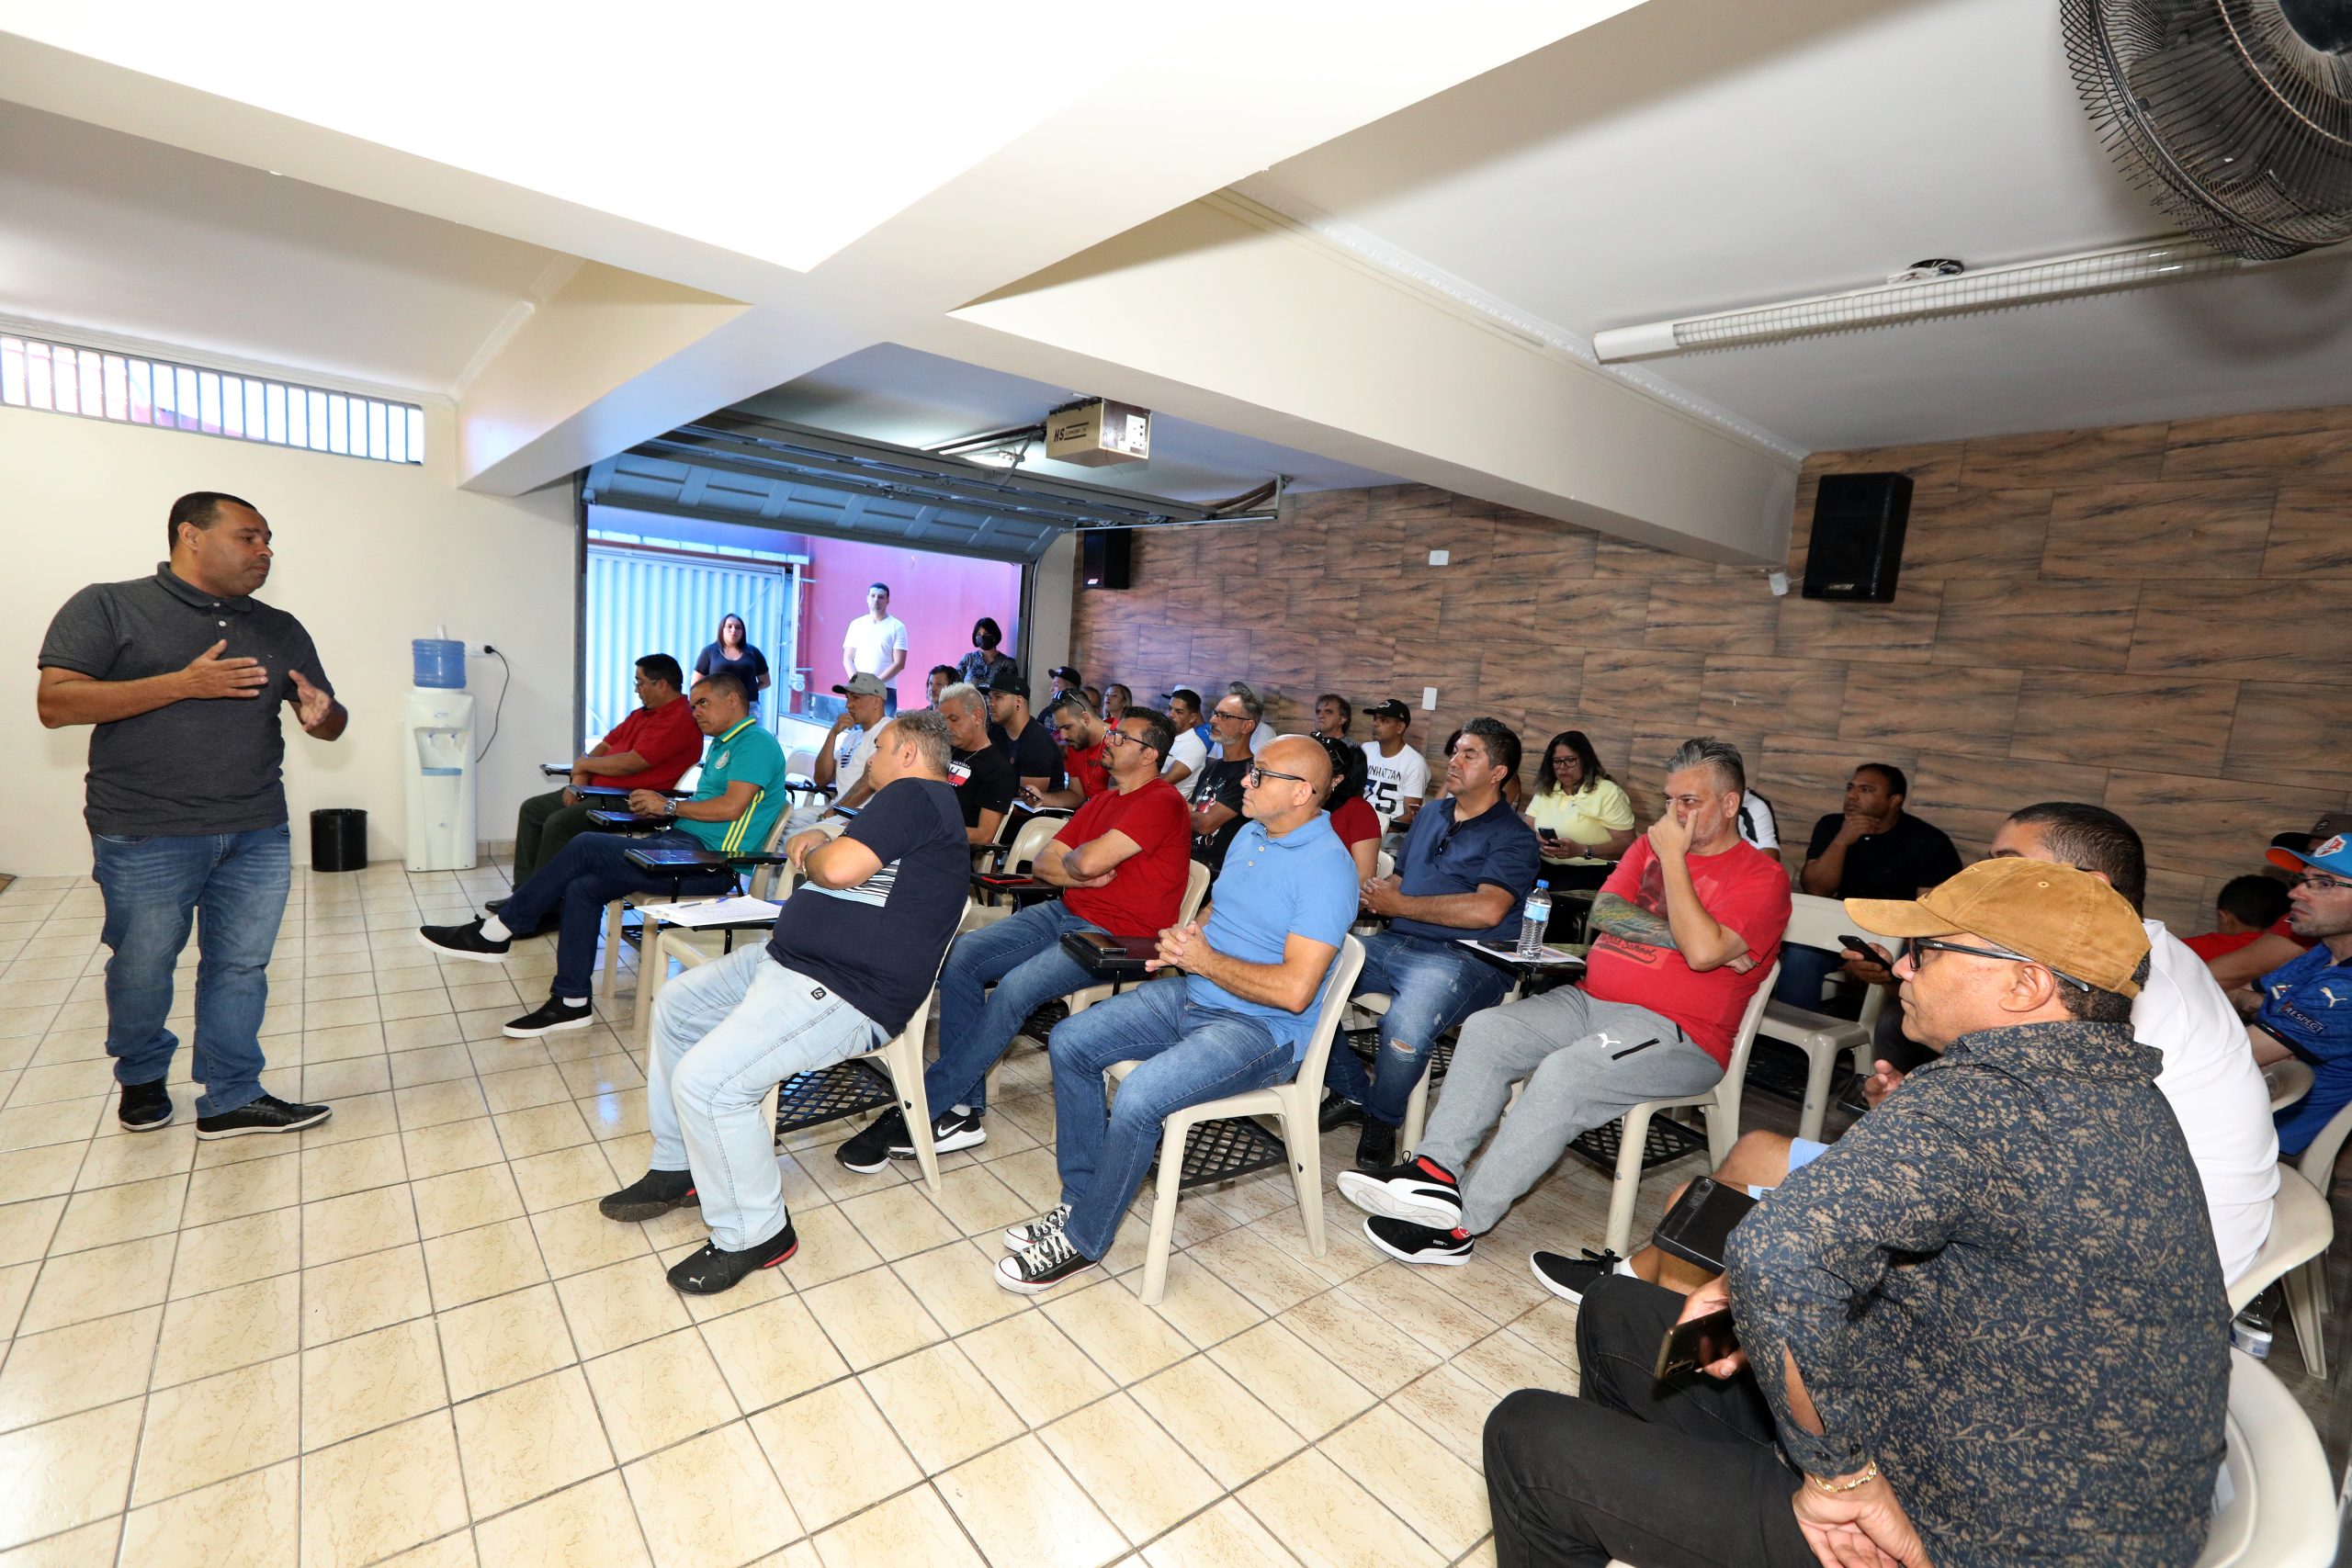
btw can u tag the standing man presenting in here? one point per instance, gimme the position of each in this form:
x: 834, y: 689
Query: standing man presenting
x: 875, y: 643
x: 182, y: 674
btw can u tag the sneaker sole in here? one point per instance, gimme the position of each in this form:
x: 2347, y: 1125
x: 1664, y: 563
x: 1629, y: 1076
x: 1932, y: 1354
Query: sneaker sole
x: 513, y: 1032
x: 1383, y: 1199
x: 1454, y: 1260
x: 1553, y: 1285
x: 1035, y: 1287
x: 634, y: 1213
x: 880, y: 1162
x: 972, y: 1139
x: 208, y: 1135
x: 157, y: 1126
x: 781, y: 1257
x: 431, y: 946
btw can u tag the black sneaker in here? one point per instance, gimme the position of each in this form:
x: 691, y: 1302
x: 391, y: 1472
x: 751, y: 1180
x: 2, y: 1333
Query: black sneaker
x: 144, y: 1107
x: 1338, y: 1110
x: 1409, y: 1243
x: 493, y: 906
x: 1029, y: 1233
x: 463, y: 941
x: 1042, y: 1265
x: 869, y: 1150
x: 713, y: 1268
x: 950, y: 1130
x: 1375, y: 1146
x: 268, y: 1114
x: 552, y: 1014
x: 1423, y: 1192
x: 1569, y: 1277
x: 650, y: 1196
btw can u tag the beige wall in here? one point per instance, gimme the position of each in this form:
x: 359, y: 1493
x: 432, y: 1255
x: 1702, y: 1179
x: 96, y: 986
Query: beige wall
x: 369, y: 555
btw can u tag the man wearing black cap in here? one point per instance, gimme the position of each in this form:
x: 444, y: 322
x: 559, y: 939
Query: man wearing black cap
x: 1066, y: 678
x: 1398, y: 775
x: 1026, y: 746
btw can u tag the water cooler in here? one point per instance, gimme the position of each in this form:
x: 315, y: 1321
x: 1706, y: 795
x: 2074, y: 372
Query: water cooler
x: 439, y: 758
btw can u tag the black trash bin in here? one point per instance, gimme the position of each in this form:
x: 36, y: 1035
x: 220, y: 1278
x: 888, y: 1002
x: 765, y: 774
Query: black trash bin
x: 339, y: 839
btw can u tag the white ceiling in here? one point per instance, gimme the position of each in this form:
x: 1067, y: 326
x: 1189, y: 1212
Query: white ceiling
x: 1694, y: 155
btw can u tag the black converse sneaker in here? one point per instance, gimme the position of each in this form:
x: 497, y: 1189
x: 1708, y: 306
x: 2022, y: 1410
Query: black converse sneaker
x: 950, y: 1130
x: 463, y: 941
x: 1409, y: 1243
x: 268, y: 1114
x: 1029, y: 1233
x: 552, y: 1014
x: 1569, y: 1277
x: 1421, y: 1190
x: 144, y: 1107
x: 650, y: 1196
x: 1042, y: 1265
x: 713, y: 1268
x: 869, y: 1150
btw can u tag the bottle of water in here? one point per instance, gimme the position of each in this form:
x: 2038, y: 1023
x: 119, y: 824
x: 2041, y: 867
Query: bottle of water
x: 1534, y: 922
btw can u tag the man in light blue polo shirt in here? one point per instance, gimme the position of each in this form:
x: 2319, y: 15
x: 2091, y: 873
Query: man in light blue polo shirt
x: 1239, y: 1019
x: 1468, y: 865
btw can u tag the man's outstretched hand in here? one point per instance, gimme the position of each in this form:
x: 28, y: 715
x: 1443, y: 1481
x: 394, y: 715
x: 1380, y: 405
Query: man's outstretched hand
x: 312, y: 705
x: 209, y: 675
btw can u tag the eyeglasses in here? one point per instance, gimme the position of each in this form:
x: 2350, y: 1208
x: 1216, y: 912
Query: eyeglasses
x: 1259, y: 776
x: 1912, y: 947
x: 1121, y: 737
x: 1235, y: 717
x: 2322, y: 884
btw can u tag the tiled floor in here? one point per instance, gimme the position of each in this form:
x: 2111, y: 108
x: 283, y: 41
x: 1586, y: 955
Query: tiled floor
x: 408, y: 1335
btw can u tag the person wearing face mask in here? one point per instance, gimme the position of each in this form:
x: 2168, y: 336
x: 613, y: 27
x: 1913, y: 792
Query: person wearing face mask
x: 985, y: 664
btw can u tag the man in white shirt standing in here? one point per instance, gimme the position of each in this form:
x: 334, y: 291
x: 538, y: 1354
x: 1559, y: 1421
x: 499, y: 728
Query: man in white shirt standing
x: 876, y: 644
x: 1397, y: 776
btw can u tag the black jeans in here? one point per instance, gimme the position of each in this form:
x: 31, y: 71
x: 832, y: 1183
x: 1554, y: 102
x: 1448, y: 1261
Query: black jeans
x: 1676, y: 1475
x: 542, y: 827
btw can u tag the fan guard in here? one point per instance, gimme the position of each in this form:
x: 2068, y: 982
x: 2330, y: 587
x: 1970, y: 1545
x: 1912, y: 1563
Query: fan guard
x: 2235, y: 115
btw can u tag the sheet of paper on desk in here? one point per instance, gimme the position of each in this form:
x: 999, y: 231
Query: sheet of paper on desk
x: 722, y: 912
x: 1551, y: 955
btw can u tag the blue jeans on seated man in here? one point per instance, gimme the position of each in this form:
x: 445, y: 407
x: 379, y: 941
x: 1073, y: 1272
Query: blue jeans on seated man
x: 591, y: 871
x: 154, y: 887
x: 724, y: 1034
x: 1023, y: 954
x: 1431, y: 987
x: 1803, y: 971
x: 1189, y: 1054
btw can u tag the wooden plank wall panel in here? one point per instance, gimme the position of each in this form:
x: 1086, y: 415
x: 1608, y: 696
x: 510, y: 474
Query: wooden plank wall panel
x: 2150, y: 616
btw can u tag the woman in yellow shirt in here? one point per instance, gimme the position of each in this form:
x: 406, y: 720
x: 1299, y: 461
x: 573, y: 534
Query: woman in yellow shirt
x: 1580, y: 815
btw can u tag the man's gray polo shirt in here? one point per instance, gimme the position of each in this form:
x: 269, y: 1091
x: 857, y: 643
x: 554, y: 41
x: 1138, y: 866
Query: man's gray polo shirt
x: 207, y: 766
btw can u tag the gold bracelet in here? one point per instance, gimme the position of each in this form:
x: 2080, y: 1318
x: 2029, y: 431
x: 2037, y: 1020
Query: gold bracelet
x: 1868, y: 1474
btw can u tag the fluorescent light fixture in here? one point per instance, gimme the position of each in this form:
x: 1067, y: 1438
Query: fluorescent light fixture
x: 1992, y: 289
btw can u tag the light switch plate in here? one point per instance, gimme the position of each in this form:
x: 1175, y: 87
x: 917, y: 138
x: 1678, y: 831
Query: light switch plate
x: 1428, y: 699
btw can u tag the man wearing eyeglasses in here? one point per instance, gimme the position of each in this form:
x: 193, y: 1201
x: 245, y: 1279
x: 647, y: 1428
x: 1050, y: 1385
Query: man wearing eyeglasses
x: 2306, y: 1003
x: 1984, y: 1327
x: 1239, y: 1019
x: 1122, y: 863
x: 1469, y: 862
x: 1216, y: 793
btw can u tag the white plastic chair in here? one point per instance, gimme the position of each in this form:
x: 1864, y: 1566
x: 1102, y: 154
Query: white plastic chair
x: 1295, y: 1104
x: 616, y: 912
x: 1818, y: 922
x: 1721, y: 1104
x: 2302, y: 1228
x: 2277, y: 1508
x: 1028, y: 843
x: 2287, y: 1082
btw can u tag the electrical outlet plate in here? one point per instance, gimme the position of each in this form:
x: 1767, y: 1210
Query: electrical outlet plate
x: 1428, y: 699
x: 1439, y: 557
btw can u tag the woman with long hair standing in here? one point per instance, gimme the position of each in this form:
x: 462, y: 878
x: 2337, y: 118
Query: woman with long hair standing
x: 733, y: 650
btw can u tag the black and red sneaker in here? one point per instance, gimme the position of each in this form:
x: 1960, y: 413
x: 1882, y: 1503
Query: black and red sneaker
x: 650, y: 1196
x: 713, y: 1269
x: 1420, y: 1191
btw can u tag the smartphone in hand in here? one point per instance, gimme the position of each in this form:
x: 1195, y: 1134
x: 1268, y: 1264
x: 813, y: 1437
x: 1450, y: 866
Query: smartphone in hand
x: 1696, y: 1342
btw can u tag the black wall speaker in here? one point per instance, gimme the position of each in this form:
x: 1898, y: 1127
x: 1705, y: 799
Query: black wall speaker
x: 1105, y: 556
x: 1856, y: 549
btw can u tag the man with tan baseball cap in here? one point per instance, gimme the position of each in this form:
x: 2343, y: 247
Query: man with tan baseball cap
x: 1950, y: 1313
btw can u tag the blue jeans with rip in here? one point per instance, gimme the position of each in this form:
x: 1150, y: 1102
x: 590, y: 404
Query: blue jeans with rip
x: 1023, y: 954
x: 154, y: 887
x: 589, y: 873
x: 1190, y: 1054
x: 1431, y: 987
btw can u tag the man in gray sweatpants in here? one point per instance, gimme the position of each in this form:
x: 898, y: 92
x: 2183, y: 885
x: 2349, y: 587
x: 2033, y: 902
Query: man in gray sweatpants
x: 1688, y: 927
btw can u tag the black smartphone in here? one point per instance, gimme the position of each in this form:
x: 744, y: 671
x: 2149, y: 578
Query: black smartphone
x: 1548, y: 836
x: 1696, y: 1342
x: 1859, y: 948
x: 1700, y: 1224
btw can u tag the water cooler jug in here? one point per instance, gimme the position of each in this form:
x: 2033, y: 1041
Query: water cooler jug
x: 439, y: 759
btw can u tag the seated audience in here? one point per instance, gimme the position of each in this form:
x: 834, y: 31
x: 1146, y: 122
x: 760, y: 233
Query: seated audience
x: 847, y: 747
x: 1332, y: 717
x: 2246, y: 907
x: 1190, y: 749
x: 2304, y: 1007
x: 1353, y: 817
x: 942, y: 676
x: 1580, y: 813
x: 1121, y: 862
x: 1116, y: 700
x: 1399, y: 773
x: 1468, y: 865
x: 851, y: 958
x: 651, y: 748
x: 1985, y: 1327
x: 1262, y: 733
x: 1216, y: 790
x: 1082, y: 738
x: 1026, y: 744
x: 1873, y: 849
x: 985, y: 665
x: 1239, y: 1019
x: 1686, y: 927
x: 736, y: 801
x: 982, y: 778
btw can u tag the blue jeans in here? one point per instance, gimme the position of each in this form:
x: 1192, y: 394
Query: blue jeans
x: 152, y: 886
x: 591, y: 872
x: 724, y: 1033
x: 1431, y: 987
x: 1189, y: 1054
x: 1804, y: 970
x: 1023, y: 953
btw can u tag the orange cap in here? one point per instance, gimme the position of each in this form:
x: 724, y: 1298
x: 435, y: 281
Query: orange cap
x: 2057, y: 916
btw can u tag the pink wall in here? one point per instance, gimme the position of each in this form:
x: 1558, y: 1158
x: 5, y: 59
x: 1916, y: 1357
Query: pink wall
x: 939, y: 597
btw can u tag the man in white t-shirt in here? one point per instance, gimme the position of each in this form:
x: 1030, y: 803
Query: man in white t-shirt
x: 1396, y: 776
x: 1188, y: 753
x: 1755, y: 822
x: 848, y: 746
x: 876, y: 644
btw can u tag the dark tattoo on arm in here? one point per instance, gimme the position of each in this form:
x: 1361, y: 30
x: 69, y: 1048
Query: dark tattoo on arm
x: 1628, y: 921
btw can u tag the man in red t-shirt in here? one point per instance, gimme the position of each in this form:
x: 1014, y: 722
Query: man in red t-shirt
x: 1121, y: 862
x: 1085, y: 760
x: 1688, y: 925
x: 651, y: 748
